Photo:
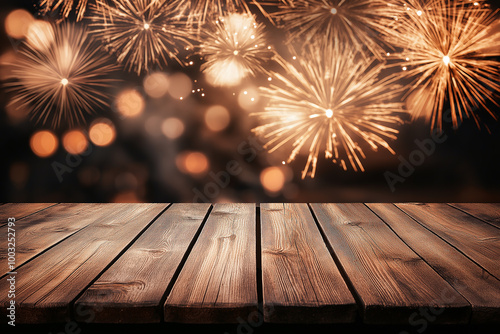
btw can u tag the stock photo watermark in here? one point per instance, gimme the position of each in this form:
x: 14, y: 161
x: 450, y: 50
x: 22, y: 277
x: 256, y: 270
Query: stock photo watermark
x: 424, y: 149
x: 84, y: 315
x: 254, y: 320
x: 421, y: 319
x: 249, y: 150
x: 11, y: 275
x: 70, y: 163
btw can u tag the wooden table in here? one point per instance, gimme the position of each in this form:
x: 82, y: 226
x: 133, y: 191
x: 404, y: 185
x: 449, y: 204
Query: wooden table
x: 227, y: 263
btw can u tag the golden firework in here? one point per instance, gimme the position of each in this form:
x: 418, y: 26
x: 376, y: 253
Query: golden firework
x: 64, y: 81
x: 330, y: 100
x: 234, y: 47
x: 142, y: 33
x: 450, y: 51
x: 353, y: 23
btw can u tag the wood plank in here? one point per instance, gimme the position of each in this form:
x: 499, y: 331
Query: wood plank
x: 131, y: 290
x: 479, y: 241
x: 393, y: 283
x: 301, y: 282
x: 481, y: 289
x: 20, y: 210
x: 489, y: 212
x: 218, y: 282
x: 47, y: 285
x: 45, y: 229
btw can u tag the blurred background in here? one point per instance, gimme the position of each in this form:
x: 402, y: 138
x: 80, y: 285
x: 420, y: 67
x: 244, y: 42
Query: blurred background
x: 171, y: 137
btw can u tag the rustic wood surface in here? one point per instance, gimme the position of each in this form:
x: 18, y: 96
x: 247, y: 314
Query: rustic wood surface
x: 237, y: 263
x: 458, y: 270
x: 131, y: 290
x: 477, y: 240
x: 300, y: 278
x: 391, y: 280
x: 47, y: 285
x: 219, y: 283
x: 47, y: 228
x: 489, y: 212
x: 20, y: 210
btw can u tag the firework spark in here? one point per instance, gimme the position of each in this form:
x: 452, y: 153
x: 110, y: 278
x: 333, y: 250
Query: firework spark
x: 201, y: 11
x: 448, y: 52
x: 142, y: 33
x: 65, y: 7
x: 353, y: 23
x: 63, y: 82
x: 234, y: 47
x: 329, y: 101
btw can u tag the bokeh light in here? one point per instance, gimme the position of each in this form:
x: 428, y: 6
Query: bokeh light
x: 180, y: 86
x: 130, y: 103
x: 126, y: 197
x: 17, y: 23
x: 102, y: 132
x: 194, y: 163
x: 156, y: 84
x: 272, y: 179
x: 40, y: 35
x: 172, y: 128
x: 44, y: 143
x: 217, y: 118
x: 75, y: 142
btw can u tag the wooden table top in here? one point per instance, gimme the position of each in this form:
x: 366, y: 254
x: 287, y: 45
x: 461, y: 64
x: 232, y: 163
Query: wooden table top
x: 293, y: 263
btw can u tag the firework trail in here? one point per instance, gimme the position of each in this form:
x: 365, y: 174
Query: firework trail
x: 63, y: 82
x: 329, y: 100
x: 449, y: 55
x: 201, y: 11
x: 142, y: 33
x: 65, y: 7
x: 353, y: 23
x: 234, y: 47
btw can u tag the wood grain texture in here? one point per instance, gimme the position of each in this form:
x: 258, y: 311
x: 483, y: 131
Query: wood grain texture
x: 46, y: 228
x: 20, y: 210
x: 49, y: 283
x: 131, y: 290
x: 301, y: 283
x: 489, y: 212
x: 218, y: 282
x: 473, y: 237
x: 393, y: 283
x: 480, y: 288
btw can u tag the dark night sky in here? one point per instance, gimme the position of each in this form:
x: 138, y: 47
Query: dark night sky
x: 465, y: 167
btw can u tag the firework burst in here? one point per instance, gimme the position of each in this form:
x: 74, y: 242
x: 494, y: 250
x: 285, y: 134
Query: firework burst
x: 450, y: 53
x: 142, y: 33
x: 63, y: 82
x: 234, y: 47
x: 353, y: 23
x: 331, y: 100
